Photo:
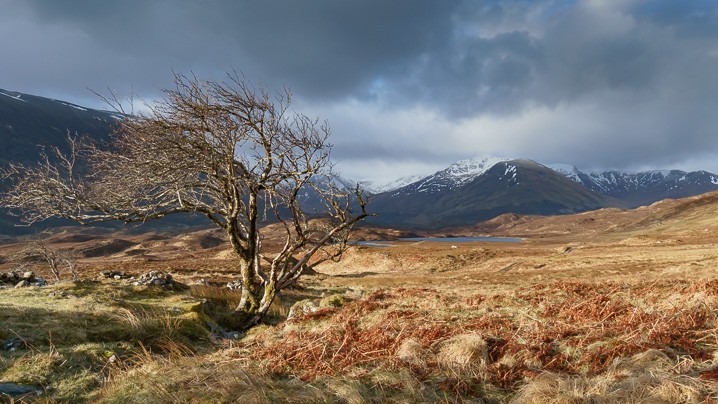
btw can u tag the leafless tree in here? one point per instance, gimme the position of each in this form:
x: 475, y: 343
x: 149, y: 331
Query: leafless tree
x: 36, y: 250
x: 229, y: 150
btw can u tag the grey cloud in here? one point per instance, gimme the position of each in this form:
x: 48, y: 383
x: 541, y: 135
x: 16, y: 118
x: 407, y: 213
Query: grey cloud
x: 697, y: 18
x: 621, y: 83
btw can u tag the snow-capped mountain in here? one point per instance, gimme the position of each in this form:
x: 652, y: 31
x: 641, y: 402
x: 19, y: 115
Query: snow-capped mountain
x: 452, y: 177
x: 642, y: 188
x: 377, y: 188
x: 474, y: 190
x: 478, y: 189
x: 567, y: 170
x: 465, y: 192
x: 27, y: 121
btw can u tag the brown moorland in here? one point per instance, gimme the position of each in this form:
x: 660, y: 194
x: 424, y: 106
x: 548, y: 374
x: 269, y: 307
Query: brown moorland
x: 603, y: 306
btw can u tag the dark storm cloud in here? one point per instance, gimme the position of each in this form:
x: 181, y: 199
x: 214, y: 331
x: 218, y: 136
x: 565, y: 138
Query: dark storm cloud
x: 322, y: 48
x: 578, y: 51
x: 590, y: 82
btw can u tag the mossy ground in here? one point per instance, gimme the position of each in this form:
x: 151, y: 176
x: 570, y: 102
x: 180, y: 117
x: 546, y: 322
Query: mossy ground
x: 74, y: 333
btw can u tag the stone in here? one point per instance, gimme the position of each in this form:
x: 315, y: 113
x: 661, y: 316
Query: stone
x: 28, y: 276
x: 22, y: 284
x: 117, y: 275
x: 235, y: 285
x: 302, y: 307
x: 14, y: 389
x: 13, y: 344
x: 201, y: 282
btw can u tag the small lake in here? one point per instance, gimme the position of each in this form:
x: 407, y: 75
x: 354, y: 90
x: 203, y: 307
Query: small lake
x: 389, y: 243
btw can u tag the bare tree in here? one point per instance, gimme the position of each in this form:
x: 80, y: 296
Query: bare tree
x: 36, y: 250
x: 228, y: 150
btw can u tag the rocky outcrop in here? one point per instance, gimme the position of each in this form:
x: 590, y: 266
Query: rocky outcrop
x: 154, y: 278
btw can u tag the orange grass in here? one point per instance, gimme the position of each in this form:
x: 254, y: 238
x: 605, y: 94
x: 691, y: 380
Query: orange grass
x: 565, y: 327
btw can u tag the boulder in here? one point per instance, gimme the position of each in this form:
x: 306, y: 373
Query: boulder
x: 20, y: 280
x: 302, y: 307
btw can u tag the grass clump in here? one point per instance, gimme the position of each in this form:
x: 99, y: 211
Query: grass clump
x: 197, y: 380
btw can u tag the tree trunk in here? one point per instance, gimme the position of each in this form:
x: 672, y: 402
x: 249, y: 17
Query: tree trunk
x: 249, y: 302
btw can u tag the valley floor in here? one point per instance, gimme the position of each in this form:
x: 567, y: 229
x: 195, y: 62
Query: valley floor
x: 625, y: 314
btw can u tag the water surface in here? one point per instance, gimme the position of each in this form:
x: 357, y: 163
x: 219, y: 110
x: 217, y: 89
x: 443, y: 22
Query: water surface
x: 388, y: 243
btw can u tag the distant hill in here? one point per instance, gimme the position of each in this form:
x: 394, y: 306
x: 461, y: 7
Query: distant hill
x: 482, y: 188
x: 28, y: 122
x: 692, y: 217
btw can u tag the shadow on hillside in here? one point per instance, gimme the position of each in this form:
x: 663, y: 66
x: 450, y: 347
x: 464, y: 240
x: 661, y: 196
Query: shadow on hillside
x: 359, y: 275
x: 44, y: 326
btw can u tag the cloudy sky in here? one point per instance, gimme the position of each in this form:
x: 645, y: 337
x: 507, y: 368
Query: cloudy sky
x: 409, y: 85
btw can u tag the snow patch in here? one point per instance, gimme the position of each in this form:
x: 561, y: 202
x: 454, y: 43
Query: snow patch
x: 474, y: 166
x: 72, y: 106
x: 15, y: 97
x: 464, y: 171
x: 400, y: 182
x: 567, y: 170
x: 663, y: 173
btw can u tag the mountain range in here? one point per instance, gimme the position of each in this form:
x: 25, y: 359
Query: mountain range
x: 481, y: 188
x: 465, y: 193
x: 642, y: 188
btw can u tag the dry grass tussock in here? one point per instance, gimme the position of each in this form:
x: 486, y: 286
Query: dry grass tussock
x: 647, y: 377
x: 464, y: 352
